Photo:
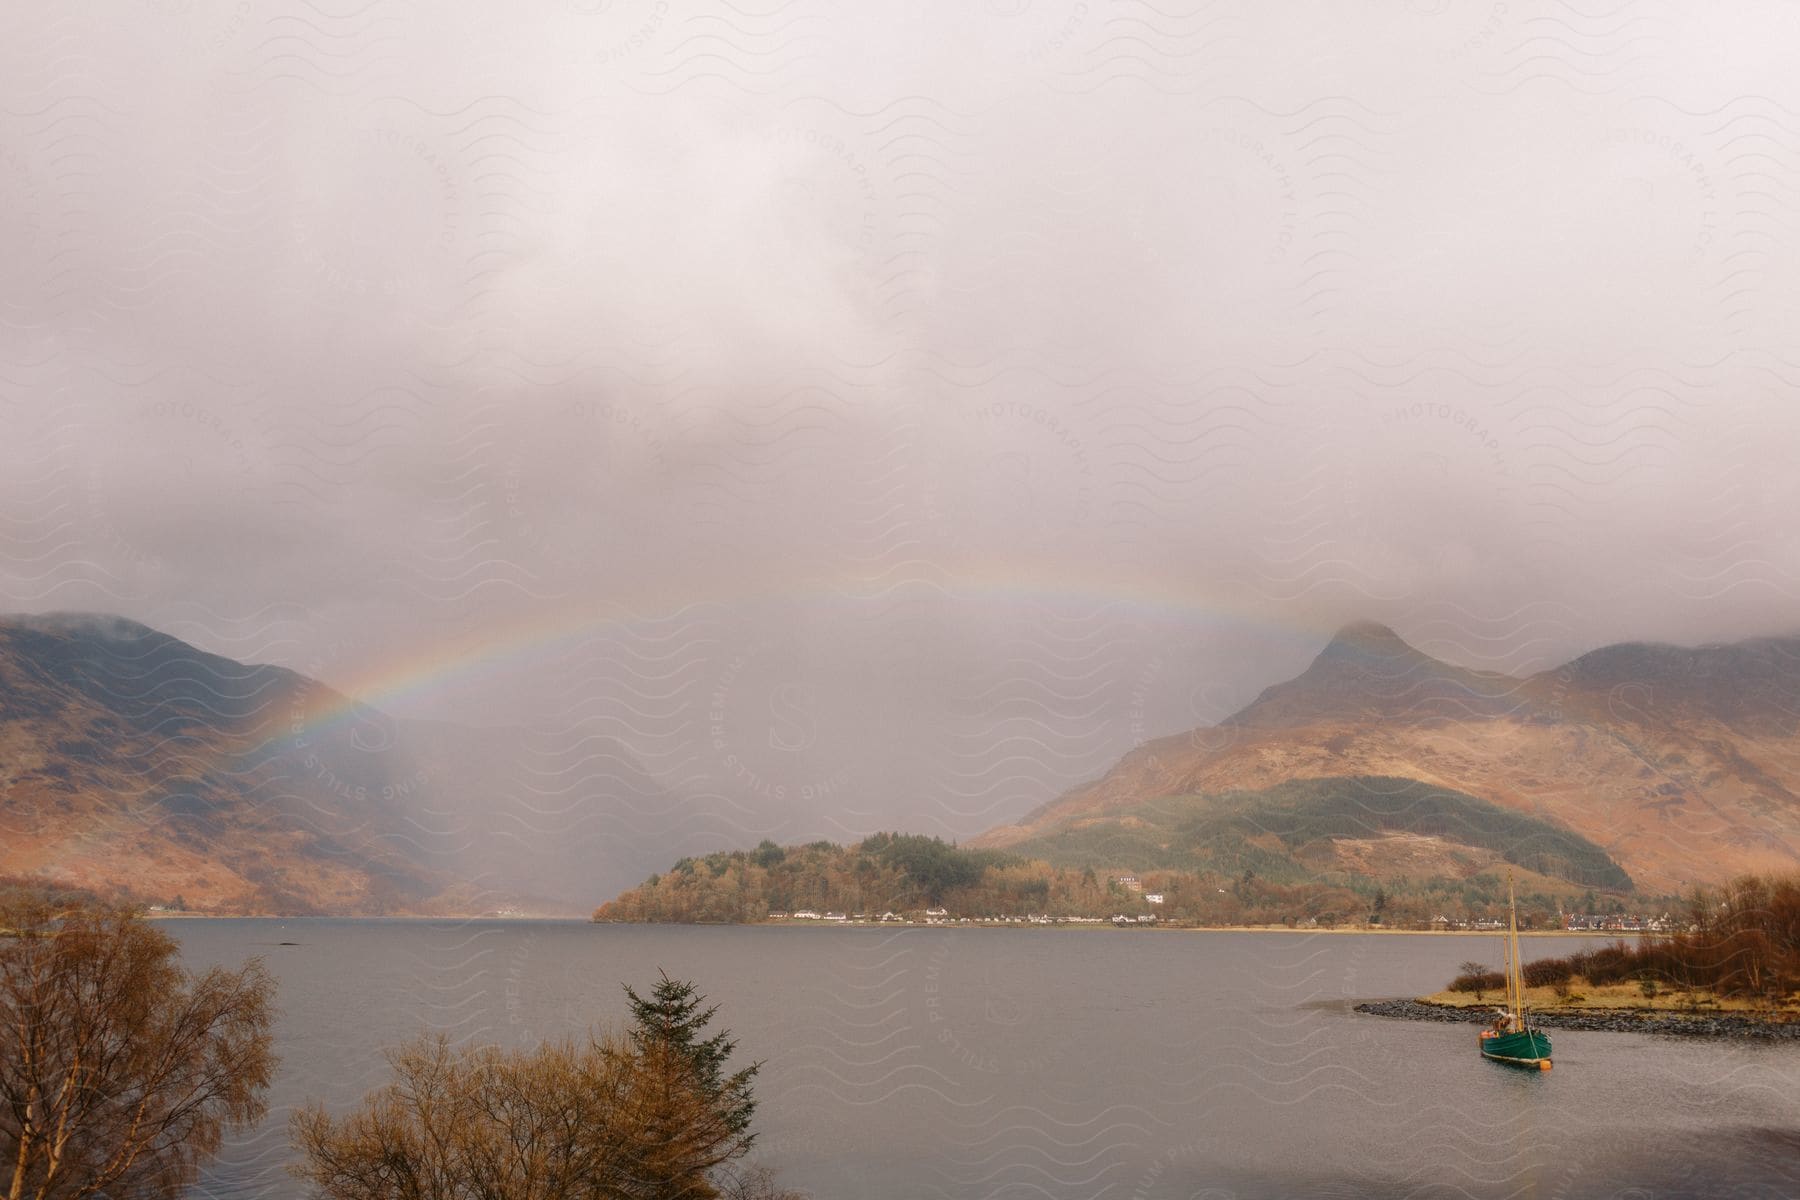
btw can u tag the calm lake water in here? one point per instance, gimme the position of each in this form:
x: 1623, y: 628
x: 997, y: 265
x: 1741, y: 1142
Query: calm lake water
x: 1053, y: 1063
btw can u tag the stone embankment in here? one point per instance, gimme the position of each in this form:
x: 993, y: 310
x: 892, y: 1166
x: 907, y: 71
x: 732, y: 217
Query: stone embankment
x: 1714, y: 1025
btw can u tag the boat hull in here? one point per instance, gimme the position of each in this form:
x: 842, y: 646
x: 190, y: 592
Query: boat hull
x: 1525, y: 1048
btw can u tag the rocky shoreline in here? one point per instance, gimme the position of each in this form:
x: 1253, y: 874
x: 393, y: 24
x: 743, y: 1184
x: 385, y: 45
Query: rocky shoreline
x: 1712, y: 1025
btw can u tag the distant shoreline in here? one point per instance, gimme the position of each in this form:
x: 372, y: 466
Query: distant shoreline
x: 1157, y: 928
x: 222, y: 916
x: 1335, y: 931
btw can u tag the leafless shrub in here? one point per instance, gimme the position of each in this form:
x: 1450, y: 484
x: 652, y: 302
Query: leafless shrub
x: 644, y: 1116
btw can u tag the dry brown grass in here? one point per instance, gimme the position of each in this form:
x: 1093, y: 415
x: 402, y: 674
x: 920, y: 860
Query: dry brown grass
x: 1612, y: 997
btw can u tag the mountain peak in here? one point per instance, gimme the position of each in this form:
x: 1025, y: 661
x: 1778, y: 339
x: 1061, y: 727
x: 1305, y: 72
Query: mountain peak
x: 1367, y: 670
x: 1363, y: 646
x: 1366, y: 635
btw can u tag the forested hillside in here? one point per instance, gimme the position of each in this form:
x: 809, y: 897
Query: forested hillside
x: 905, y: 874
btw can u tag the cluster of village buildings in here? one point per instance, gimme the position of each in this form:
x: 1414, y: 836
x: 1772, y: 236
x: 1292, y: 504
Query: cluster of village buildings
x: 941, y: 916
x: 1618, y: 922
x: 1574, y: 922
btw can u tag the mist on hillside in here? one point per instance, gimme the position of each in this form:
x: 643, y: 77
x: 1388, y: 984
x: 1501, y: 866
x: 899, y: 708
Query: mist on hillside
x: 847, y: 420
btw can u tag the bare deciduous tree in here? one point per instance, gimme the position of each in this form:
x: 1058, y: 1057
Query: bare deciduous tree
x: 120, y: 1072
x: 608, y: 1119
x: 754, y: 1183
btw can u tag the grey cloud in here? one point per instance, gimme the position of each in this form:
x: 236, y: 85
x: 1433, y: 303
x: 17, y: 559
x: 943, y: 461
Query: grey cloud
x: 1002, y: 386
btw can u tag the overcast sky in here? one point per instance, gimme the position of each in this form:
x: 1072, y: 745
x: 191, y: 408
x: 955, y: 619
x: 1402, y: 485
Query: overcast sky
x: 888, y: 413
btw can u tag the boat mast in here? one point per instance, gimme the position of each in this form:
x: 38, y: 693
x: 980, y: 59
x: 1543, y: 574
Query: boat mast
x: 1506, y: 966
x: 1516, y: 978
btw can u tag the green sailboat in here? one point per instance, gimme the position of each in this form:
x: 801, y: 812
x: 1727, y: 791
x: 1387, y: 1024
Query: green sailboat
x: 1512, y: 1040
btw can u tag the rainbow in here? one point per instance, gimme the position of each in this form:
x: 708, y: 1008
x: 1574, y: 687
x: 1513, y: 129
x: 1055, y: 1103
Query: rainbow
x: 546, y: 635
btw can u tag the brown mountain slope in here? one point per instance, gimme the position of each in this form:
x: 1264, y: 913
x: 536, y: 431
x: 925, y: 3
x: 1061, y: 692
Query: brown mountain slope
x: 1684, y: 764
x: 131, y: 762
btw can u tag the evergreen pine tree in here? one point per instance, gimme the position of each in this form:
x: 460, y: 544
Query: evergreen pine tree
x: 673, y: 1016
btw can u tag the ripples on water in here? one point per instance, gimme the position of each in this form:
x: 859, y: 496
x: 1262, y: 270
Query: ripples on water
x: 1052, y: 1063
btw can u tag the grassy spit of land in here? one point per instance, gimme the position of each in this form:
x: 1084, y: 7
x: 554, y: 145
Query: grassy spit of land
x: 1731, y: 968
x: 1613, y: 1010
x: 1618, y: 998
